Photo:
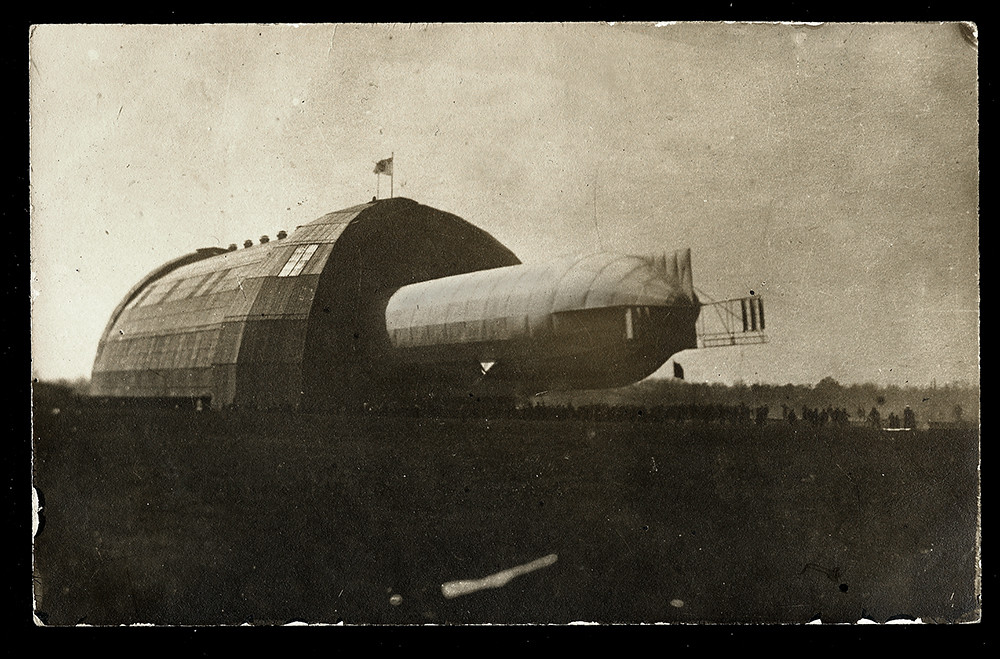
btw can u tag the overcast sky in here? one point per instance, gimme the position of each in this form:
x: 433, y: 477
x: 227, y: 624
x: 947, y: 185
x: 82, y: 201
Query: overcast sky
x: 832, y: 169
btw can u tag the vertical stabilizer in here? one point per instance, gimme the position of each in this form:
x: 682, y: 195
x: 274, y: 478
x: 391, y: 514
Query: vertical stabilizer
x: 661, y: 264
x: 672, y: 273
x: 685, y: 282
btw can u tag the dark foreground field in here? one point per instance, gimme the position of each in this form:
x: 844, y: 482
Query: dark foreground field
x: 200, y: 518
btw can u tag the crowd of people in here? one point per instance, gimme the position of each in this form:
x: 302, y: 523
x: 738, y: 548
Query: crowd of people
x: 893, y: 421
x: 837, y: 416
x: 740, y: 414
x: 513, y: 408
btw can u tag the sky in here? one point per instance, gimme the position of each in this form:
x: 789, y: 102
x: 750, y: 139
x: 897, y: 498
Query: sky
x: 832, y: 169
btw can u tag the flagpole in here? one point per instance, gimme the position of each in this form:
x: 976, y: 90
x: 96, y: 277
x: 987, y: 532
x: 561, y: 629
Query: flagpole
x: 378, y: 177
x: 392, y: 166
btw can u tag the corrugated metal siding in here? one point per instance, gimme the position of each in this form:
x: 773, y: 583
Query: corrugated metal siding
x: 272, y: 341
x: 318, y: 261
x: 283, y: 297
x: 224, y: 381
x: 227, y: 348
x: 144, y: 284
x: 153, y: 383
x: 318, y: 233
x: 177, y: 334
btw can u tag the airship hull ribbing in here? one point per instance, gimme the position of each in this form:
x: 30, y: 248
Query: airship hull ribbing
x: 595, y: 321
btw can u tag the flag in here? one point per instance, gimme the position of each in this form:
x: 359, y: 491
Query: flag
x: 678, y: 371
x: 384, y: 167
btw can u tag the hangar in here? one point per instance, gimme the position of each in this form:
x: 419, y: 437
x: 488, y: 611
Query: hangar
x: 389, y: 298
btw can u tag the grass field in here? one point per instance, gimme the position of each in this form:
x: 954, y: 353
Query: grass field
x: 177, y: 517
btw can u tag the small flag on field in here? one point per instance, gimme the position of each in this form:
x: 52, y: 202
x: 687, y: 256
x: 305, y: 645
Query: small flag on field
x: 678, y: 371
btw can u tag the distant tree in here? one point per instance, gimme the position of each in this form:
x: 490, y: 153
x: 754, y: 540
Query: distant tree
x: 957, y: 412
x: 874, y: 418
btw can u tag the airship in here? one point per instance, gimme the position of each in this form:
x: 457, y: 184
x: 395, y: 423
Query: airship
x: 396, y: 299
x: 582, y: 322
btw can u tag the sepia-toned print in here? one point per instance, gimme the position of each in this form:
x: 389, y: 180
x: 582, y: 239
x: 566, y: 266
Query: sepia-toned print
x: 531, y: 323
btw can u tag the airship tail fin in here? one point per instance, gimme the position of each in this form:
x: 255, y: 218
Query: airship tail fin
x: 684, y: 281
x: 676, y: 270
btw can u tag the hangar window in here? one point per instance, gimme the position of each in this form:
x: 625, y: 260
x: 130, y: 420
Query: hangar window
x: 208, y: 286
x: 157, y: 294
x: 298, y: 260
x: 186, y: 288
x: 139, y: 299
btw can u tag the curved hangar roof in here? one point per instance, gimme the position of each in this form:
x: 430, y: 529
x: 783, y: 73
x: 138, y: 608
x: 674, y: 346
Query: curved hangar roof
x: 287, y: 322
